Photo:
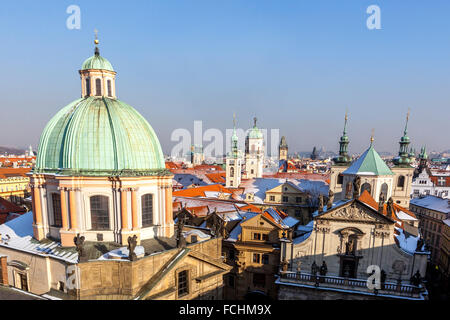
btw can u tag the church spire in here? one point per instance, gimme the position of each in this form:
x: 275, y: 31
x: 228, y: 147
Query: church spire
x: 234, y: 140
x: 403, y: 154
x: 343, y: 157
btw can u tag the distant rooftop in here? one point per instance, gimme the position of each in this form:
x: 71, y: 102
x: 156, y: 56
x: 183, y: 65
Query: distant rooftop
x: 433, y: 203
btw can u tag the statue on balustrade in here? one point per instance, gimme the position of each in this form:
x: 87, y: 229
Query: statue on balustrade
x: 314, y: 269
x: 416, y: 279
x: 323, y: 269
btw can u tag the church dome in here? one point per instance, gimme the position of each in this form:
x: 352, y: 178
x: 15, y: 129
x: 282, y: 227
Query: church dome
x: 99, y: 136
x: 97, y: 62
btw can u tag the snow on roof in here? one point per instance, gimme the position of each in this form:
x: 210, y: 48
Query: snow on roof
x: 433, y: 203
x: 198, y: 233
x: 19, y: 227
x: 307, y: 228
x: 238, y: 229
x: 20, y: 232
x: 334, y: 205
x: 259, y: 186
x: 407, y: 242
x: 290, y: 221
x: 122, y: 253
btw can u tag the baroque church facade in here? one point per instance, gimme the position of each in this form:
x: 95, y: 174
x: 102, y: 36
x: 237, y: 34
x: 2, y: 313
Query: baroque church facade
x: 356, y: 232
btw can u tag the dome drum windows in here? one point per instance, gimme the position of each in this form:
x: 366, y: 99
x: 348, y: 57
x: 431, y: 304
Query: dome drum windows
x: 109, y: 88
x: 147, y: 210
x: 98, y: 87
x: 57, y: 216
x: 99, y: 213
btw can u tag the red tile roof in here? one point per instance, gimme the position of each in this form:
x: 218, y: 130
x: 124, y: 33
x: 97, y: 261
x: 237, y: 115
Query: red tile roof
x: 13, y: 172
x: 200, y: 191
x: 217, y: 177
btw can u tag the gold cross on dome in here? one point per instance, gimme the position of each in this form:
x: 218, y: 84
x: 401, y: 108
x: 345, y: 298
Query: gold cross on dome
x: 96, y: 36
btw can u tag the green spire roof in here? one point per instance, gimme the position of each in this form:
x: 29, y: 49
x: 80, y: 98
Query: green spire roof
x: 99, y: 136
x: 370, y: 163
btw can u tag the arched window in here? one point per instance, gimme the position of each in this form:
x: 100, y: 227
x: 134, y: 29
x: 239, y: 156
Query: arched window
x: 147, y: 210
x: 384, y: 190
x: 401, y: 182
x: 98, y: 87
x: 57, y: 216
x: 340, y: 179
x: 366, y: 186
x: 109, y: 89
x: 99, y: 213
x: 88, y: 87
x: 232, y: 172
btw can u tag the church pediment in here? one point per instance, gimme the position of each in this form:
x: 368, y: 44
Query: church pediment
x: 355, y: 212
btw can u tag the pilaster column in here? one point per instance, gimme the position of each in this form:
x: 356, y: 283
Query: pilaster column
x: 124, y: 207
x: 134, y: 213
x: 38, y: 228
x: 169, y: 205
x: 37, y: 204
x: 73, y: 209
x: 63, y: 208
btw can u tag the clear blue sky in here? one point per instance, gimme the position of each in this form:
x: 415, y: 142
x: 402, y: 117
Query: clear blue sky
x: 296, y: 65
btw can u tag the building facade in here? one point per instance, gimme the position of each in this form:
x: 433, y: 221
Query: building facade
x: 432, y: 212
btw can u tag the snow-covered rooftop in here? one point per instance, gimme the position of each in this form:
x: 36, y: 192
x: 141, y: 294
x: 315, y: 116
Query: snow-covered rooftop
x: 433, y: 203
x: 18, y: 234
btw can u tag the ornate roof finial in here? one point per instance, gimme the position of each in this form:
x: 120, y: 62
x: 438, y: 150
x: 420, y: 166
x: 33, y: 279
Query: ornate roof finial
x: 234, y: 120
x: 372, y: 137
x: 254, y: 120
x: 407, y: 119
x: 96, y: 42
x: 346, y: 119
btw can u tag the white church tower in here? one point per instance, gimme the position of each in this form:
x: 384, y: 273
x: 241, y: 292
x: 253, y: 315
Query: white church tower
x: 234, y: 162
x: 254, y: 153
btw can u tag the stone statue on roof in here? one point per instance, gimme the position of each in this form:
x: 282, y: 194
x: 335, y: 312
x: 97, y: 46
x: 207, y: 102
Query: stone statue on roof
x: 330, y: 199
x: 390, y: 207
x: 356, y: 186
x: 381, y: 203
x: 79, y: 243
x: 320, y: 203
x: 132, y: 243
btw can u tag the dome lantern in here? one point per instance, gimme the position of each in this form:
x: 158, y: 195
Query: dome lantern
x: 98, y: 78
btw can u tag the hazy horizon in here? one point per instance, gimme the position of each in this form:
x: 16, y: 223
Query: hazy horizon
x: 297, y: 67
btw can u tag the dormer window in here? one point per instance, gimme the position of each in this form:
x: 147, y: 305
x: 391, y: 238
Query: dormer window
x: 98, y: 87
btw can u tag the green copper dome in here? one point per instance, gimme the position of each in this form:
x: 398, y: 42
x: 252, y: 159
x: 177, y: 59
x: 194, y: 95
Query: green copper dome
x: 99, y: 136
x: 97, y: 62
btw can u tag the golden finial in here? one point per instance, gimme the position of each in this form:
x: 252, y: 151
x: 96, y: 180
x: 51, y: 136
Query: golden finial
x: 96, y: 37
x: 346, y: 114
x: 372, y: 137
x: 407, y: 115
x: 234, y: 120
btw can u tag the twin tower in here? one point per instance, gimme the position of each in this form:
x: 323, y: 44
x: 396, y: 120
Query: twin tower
x: 251, y: 165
